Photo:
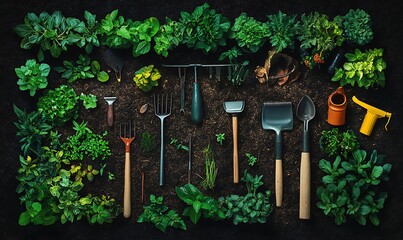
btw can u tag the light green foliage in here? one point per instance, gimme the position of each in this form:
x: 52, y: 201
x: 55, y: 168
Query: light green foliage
x: 199, y: 205
x: 249, y: 33
x: 204, y: 29
x: 85, y: 143
x: 220, y: 137
x: 366, y: 69
x: 284, y: 30
x: 336, y: 143
x: 54, y: 32
x: 357, y: 27
x: 168, y: 37
x: 156, y: 213
x: 147, y: 143
x: 32, y: 127
x: 251, y: 159
x: 147, y: 77
x: 178, y: 144
x: 211, y: 170
x: 351, y: 187
x: 32, y: 76
x: 252, y: 208
x: 83, y: 68
x: 89, y: 101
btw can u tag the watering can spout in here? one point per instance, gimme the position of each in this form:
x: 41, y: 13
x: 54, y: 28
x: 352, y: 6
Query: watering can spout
x: 371, y: 116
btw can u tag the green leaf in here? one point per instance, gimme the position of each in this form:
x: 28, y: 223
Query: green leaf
x: 24, y: 219
x: 376, y: 172
x: 196, y: 206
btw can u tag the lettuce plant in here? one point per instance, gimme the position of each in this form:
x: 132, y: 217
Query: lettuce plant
x: 32, y: 76
x: 357, y: 27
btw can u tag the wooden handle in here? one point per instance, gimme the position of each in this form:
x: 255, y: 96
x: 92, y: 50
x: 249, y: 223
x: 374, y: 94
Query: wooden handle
x: 126, y: 196
x: 142, y: 186
x: 305, y: 187
x: 110, y: 115
x: 279, y: 182
x: 235, y: 138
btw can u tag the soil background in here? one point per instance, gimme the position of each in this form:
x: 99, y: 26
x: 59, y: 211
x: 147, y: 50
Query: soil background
x: 283, y: 223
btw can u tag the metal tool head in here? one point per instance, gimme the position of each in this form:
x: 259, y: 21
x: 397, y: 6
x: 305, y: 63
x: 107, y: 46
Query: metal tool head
x: 234, y: 106
x: 305, y: 109
x: 110, y: 100
x: 162, y: 105
x: 277, y: 116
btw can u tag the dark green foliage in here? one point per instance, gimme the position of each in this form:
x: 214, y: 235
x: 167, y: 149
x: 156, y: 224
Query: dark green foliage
x: 156, y: 213
x: 351, y: 187
x: 32, y: 76
x: 210, y: 168
x: 168, y: 37
x: 178, y: 144
x: 251, y: 159
x: 147, y: 142
x: 284, y: 30
x: 357, y: 27
x: 336, y: 143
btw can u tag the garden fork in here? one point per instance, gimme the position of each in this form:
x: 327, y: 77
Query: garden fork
x: 162, y: 109
x: 127, y: 135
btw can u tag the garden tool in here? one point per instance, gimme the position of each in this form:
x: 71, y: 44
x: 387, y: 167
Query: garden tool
x: 278, y: 116
x: 110, y: 101
x: 190, y: 160
x: 305, y: 112
x: 114, y: 61
x: 127, y: 135
x: 235, y: 107
x: 162, y: 109
x: 371, y: 116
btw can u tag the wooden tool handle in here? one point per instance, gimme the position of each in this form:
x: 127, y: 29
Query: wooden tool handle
x: 305, y: 187
x: 235, y: 138
x: 279, y: 182
x: 110, y: 115
x: 126, y: 196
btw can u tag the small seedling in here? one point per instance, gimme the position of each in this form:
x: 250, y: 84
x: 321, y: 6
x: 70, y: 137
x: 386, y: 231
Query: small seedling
x: 178, y: 145
x: 251, y: 159
x: 220, y: 137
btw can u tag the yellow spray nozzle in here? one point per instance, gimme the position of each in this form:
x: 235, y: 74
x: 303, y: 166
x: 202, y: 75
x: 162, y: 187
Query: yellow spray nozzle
x: 371, y: 116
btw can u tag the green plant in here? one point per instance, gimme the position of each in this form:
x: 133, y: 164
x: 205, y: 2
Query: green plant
x: 336, y: 143
x: 211, y: 170
x: 318, y: 36
x: 251, y: 159
x: 168, y: 37
x: 147, y: 143
x: 83, y: 68
x: 147, y: 77
x: 284, y: 30
x: 54, y: 32
x: 249, y: 33
x: 157, y: 214
x: 204, y: 29
x: 32, y: 76
x: 199, y: 205
x: 89, y: 101
x: 32, y: 128
x: 220, y: 137
x: 366, y: 69
x: 178, y: 144
x: 351, y: 187
x: 251, y: 208
x: 357, y: 27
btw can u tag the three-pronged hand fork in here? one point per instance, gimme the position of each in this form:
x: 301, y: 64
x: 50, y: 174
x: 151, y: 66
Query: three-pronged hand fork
x: 127, y: 135
x: 162, y: 109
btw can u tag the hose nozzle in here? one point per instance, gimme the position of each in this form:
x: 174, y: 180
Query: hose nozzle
x: 371, y: 116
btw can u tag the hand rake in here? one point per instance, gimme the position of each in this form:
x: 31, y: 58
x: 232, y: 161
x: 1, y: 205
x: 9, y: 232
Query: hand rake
x: 127, y: 135
x: 162, y: 109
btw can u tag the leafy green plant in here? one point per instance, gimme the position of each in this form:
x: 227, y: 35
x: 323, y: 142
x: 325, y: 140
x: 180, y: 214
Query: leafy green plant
x: 366, y: 69
x: 204, y: 29
x: 284, y: 30
x: 318, y: 36
x: 249, y: 33
x: 55, y: 32
x: 89, y: 101
x: 157, y: 214
x: 199, y: 205
x: 211, y: 170
x: 178, y: 144
x: 252, y: 208
x: 220, y: 137
x: 336, y: 143
x: 32, y: 128
x: 168, y: 37
x: 83, y: 68
x: 32, y: 76
x: 147, y: 143
x: 357, y: 27
x: 251, y: 159
x: 351, y: 187
x: 147, y: 77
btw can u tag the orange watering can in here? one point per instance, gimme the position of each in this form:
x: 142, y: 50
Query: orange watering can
x: 371, y: 116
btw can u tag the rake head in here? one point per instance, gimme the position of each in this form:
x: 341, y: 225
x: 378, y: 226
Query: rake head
x: 127, y: 133
x: 163, y: 105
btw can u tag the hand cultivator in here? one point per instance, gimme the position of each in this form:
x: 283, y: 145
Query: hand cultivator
x: 127, y: 135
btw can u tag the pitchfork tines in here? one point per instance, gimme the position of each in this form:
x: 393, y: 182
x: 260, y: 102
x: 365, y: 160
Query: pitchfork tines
x: 127, y: 133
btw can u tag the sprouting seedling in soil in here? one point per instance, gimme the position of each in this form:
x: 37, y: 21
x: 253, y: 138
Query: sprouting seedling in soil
x: 178, y: 145
x: 251, y: 159
x: 111, y: 176
x: 220, y: 137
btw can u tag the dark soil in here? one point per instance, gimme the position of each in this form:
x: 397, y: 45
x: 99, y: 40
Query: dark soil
x: 283, y: 223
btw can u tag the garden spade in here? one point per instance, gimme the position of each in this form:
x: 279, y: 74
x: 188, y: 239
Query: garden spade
x: 278, y: 116
x: 305, y: 112
x: 235, y: 107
